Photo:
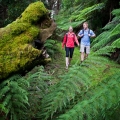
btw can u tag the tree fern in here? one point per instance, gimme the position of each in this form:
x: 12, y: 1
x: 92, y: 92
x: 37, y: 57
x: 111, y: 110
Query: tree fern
x: 115, y: 21
x: 110, y: 35
x: 85, y: 12
x: 79, y: 14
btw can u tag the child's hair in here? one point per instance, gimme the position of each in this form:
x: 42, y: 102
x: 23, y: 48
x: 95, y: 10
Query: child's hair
x: 70, y: 27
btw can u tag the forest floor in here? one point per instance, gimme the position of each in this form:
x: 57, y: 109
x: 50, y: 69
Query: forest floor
x: 56, y: 68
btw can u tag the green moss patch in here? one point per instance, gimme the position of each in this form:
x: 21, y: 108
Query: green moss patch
x: 34, y: 12
x: 16, y: 50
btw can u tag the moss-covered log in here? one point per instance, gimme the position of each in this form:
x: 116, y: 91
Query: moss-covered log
x: 16, y: 39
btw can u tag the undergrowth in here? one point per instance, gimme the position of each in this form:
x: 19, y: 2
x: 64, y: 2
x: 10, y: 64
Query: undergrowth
x: 86, y: 91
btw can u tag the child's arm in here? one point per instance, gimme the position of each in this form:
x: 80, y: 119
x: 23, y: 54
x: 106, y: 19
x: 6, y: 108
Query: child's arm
x: 64, y: 40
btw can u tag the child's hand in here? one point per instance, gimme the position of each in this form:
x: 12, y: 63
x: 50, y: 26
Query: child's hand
x: 62, y: 47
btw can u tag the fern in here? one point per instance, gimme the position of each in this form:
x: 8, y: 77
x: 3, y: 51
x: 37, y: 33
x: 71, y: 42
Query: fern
x: 108, y: 41
x: 79, y: 14
x: 116, y: 12
x: 105, y: 50
x: 14, y: 97
x: 76, y: 82
x: 65, y: 91
x: 39, y: 82
x: 116, y: 43
x: 107, y: 45
x: 85, y: 12
x: 51, y: 47
x: 99, y: 101
x: 21, y: 96
x: 115, y: 21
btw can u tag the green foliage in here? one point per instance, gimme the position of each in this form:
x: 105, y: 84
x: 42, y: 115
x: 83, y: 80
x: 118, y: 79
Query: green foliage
x: 107, y: 42
x: 14, y: 97
x: 51, y: 47
x: 86, y: 13
x: 67, y: 4
x: 74, y: 85
x: 13, y: 9
x: 78, y: 16
x: 116, y: 43
x: 39, y: 82
x: 100, y: 101
x: 87, y: 91
x: 21, y: 96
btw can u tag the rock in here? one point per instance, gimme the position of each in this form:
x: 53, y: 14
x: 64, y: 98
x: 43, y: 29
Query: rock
x: 16, y: 50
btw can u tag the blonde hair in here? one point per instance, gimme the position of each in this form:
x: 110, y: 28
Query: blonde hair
x: 71, y: 27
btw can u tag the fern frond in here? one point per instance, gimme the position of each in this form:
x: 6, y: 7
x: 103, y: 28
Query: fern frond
x: 3, y: 109
x: 101, y: 40
x: 105, y: 50
x: 14, y: 94
x: 99, y: 101
x: 116, y: 12
x: 87, y: 11
x: 50, y: 46
x: 109, y: 36
x: 116, y: 43
x: 115, y: 21
x: 39, y: 82
x: 50, y: 41
x: 3, y: 91
x: 78, y: 15
x: 115, y: 31
x: 111, y: 25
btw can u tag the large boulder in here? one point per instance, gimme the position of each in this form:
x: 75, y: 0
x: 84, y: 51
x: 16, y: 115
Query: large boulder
x: 17, y: 52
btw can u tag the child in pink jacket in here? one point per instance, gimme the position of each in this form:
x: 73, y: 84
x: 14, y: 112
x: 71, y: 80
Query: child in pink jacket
x: 69, y: 44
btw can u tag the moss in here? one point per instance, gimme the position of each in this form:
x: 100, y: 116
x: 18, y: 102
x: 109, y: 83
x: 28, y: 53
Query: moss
x: 17, y: 28
x: 26, y: 37
x: 16, y: 50
x: 34, y: 12
x: 18, y: 58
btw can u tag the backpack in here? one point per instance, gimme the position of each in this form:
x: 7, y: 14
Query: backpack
x: 79, y: 39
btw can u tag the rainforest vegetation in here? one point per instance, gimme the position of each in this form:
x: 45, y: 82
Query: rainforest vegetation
x: 35, y: 85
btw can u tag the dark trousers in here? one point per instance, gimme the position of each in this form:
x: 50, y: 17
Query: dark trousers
x: 69, y: 51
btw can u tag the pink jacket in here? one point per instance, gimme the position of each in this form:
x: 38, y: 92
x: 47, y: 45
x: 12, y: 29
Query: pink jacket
x: 69, y: 40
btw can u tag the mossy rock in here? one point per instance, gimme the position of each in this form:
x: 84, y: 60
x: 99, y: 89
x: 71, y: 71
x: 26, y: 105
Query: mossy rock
x: 16, y: 50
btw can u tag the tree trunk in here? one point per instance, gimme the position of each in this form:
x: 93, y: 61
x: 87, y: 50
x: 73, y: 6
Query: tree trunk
x: 17, y: 49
